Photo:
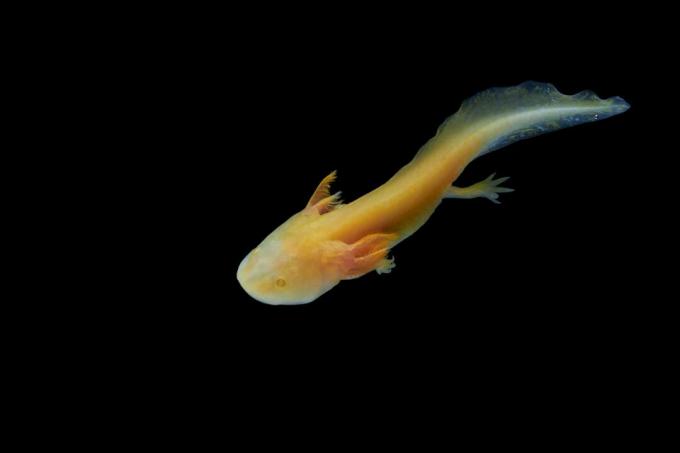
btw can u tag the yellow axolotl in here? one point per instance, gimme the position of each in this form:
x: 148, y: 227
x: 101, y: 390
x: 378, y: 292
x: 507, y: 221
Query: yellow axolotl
x: 329, y: 241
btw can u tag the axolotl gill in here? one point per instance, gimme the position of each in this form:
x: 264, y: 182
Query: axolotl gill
x: 329, y: 241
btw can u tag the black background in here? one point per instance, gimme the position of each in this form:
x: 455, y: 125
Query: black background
x: 163, y: 142
x: 234, y: 126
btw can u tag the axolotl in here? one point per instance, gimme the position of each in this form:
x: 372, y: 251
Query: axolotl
x: 329, y: 241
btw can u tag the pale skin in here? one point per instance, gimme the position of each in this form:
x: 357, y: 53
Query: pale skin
x: 328, y: 242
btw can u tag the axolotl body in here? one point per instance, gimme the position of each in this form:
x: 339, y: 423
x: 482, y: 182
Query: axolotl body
x: 329, y: 241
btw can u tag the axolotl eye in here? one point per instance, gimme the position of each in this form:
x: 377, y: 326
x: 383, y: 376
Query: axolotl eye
x: 280, y: 282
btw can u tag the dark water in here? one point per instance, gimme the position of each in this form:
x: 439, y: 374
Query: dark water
x: 540, y: 295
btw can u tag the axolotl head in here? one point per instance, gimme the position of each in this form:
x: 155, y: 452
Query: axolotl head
x: 286, y: 269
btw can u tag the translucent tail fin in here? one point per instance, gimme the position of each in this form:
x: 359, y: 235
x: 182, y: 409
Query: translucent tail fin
x: 505, y: 115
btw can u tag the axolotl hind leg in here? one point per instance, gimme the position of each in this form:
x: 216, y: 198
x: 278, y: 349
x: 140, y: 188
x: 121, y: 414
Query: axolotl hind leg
x: 488, y: 188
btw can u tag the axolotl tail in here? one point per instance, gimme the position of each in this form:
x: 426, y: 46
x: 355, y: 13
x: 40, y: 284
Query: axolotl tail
x: 499, y: 117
